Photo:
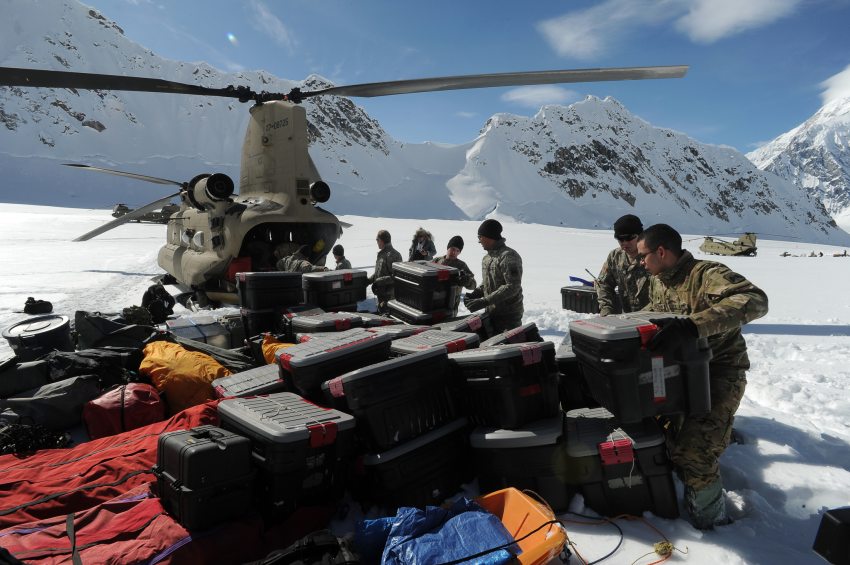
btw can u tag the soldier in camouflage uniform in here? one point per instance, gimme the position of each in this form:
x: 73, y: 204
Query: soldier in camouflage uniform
x: 623, y: 283
x: 382, y: 279
x: 466, y: 278
x: 717, y: 301
x: 339, y: 256
x: 298, y: 263
x: 501, y: 272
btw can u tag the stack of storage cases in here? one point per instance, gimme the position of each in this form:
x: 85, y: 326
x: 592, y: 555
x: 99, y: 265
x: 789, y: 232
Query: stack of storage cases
x: 259, y: 380
x: 302, y: 451
x: 335, y: 290
x: 474, y: 323
x: 580, y: 298
x: 507, y: 386
x: 531, y: 457
x: 526, y: 333
x: 620, y: 469
x: 305, y: 366
x: 204, y: 475
x: 263, y: 297
x: 630, y: 381
x: 424, y: 288
x: 448, y: 341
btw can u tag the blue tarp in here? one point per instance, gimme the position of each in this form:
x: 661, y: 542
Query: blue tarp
x: 435, y: 535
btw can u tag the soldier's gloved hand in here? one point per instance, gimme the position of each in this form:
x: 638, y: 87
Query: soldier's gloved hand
x: 671, y: 333
x: 475, y: 304
x: 477, y: 293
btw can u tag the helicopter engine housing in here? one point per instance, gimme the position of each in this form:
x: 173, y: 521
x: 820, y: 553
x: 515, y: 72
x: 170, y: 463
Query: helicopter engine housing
x: 205, y: 191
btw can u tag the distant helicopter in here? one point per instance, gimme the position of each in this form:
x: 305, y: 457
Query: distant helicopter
x: 215, y: 233
x: 743, y: 246
x: 160, y: 216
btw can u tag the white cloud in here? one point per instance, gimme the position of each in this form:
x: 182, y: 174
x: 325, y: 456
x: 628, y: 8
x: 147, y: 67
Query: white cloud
x: 265, y: 21
x: 589, y: 33
x: 710, y: 20
x: 536, y: 96
x: 837, y: 86
x: 585, y: 34
x: 466, y: 115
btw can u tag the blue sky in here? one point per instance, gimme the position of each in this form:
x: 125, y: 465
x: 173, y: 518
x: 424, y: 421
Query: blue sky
x: 758, y: 67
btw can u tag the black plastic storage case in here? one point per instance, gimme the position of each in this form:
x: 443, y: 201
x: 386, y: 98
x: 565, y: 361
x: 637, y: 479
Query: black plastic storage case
x: 421, y: 472
x: 832, y: 542
x: 411, y: 315
x: 344, y: 335
x: 396, y: 400
x: 572, y: 389
x: 507, y: 386
x: 303, y: 451
x: 399, y: 331
x: 269, y: 290
x: 445, y: 340
x: 204, y: 475
x: 530, y: 457
x: 372, y: 320
x: 259, y: 380
x: 580, y: 298
x: 256, y: 322
x: 307, y: 365
x: 620, y: 469
x: 335, y: 290
x: 526, y: 333
x: 425, y: 286
x: 628, y: 379
x: 325, y: 322
x: 474, y: 323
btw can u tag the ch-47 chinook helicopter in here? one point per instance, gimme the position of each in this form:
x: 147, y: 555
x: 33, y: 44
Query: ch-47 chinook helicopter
x: 216, y: 233
x: 743, y: 246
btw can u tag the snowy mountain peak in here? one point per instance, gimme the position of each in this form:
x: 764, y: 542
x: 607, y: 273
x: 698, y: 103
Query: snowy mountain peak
x: 581, y: 165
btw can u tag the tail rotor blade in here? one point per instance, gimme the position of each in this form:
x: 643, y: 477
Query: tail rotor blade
x: 155, y: 180
x: 127, y: 217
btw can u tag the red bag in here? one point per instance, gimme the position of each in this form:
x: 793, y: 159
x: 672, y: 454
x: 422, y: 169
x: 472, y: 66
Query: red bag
x: 123, y: 408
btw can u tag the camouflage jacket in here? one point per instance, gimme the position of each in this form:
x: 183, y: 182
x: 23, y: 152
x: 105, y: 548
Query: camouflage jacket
x: 383, y: 275
x: 344, y: 264
x: 297, y: 263
x: 718, y: 300
x: 501, y: 271
x: 467, y: 278
x: 626, y: 277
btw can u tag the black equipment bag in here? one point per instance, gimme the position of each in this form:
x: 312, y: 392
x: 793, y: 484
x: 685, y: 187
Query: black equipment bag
x: 317, y: 548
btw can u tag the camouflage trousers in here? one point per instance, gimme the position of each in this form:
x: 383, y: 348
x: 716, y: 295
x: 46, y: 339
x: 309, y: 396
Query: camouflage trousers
x: 504, y: 321
x: 696, y: 442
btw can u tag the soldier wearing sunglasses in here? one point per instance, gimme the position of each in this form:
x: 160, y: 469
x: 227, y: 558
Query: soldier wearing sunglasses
x: 623, y: 283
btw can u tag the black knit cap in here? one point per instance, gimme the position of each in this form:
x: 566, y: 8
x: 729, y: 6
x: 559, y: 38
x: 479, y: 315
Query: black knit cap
x: 338, y: 250
x: 455, y: 241
x: 490, y: 228
x: 628, y: 225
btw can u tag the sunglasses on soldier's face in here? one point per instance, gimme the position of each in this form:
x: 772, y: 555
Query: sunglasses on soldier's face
x: 626, y: 237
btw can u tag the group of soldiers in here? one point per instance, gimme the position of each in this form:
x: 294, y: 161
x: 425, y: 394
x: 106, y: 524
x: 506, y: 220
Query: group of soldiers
x: 650, y: 271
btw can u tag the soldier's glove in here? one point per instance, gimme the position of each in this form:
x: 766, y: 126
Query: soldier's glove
x: 671, y: 333
x: 477, y: 293
x: 475, y: 304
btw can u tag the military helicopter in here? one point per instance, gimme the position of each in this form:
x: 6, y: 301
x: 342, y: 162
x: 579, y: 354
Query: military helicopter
x: 215, y: 233
x: 744, y: 246
x: 160, y: 216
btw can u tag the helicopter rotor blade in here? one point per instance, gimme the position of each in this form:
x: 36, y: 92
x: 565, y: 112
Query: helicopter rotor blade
x: 500, y: 79
x: 129, y: 216
x: 10, y: 76
x: 155, y: 180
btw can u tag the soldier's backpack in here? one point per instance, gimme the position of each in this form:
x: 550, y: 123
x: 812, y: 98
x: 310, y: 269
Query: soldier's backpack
x: 318, y: 548
x: 33, y: 306
x: 158, y: 302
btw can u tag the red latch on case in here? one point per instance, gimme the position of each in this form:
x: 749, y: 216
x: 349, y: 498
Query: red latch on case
x: 443, y: 275
x: 347, y: 277
x: 455, y: 346
x: 530, y: 390
x: 335, y: 386
x: 322, y: 434
x: 531, y: 354
x: 646, y: 333
x: 283, y: 361
x: 616, y: 451
x: 474, y: 323
x: 343, y: 324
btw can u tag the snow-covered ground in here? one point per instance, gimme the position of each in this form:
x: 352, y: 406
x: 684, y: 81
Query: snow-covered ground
x: 795, y: 417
